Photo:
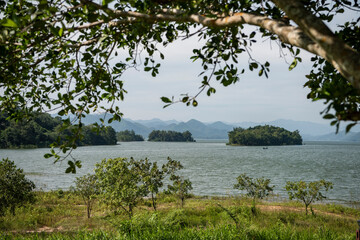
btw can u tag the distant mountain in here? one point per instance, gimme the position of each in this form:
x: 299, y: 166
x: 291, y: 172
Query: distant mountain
x: 341, y: 136
x: 219, y: 130
x: 123, y: 125
x: 199, y: 129
x: 221, y: 126
x: 156, y: 123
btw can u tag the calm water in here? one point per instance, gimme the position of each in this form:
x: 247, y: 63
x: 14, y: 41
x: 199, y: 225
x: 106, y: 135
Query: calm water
x: 212, y: 166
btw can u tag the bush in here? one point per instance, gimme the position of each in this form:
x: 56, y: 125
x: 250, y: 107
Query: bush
x: 257, y: 188
x: 15, y: 189
x: 307, y: 192
x: 88, y: 188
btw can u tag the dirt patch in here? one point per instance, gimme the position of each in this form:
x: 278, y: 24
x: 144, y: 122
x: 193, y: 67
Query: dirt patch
x: 275, y: 208
x: 46, y: 229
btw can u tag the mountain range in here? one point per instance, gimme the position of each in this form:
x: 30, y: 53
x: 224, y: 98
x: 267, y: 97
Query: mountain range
x: 219, y: 130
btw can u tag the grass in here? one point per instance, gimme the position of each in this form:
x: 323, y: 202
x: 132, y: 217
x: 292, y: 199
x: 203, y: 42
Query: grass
x: 62, y: 215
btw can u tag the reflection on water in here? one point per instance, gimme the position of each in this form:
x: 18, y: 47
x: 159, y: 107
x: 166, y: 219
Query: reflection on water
x: 213, y: 166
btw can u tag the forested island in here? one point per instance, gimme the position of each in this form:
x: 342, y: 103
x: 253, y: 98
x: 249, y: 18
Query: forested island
x: 42, y: 130
x: 128, y: 136
x: 170, y: 136
x: 264, y: 136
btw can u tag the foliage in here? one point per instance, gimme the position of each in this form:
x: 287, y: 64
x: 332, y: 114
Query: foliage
x: 91, y: 135
x: 38, y: 131
x: 202, y: 219
x: 170, y: 136
x: 15, y: 189
x: 257, y: 188
x: 264, y: 136
x: 153, y: 177
x: 326, y: 84
x: 128, y: 136
x: 180, y: 187
x: 307, y: 192
x: 41, y: 130
x: 121, y: 184
x: 64, y: 55
x: 88, y: 188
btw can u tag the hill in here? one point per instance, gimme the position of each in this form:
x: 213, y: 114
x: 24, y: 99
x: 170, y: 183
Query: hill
x: 219, y: 130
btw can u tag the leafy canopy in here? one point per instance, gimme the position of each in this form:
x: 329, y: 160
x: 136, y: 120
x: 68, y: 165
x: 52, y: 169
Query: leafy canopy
x: 307, y: 192
x: 15, y: 189
x: 88, y: 188
x: 70, y: 55
x: 255, y: 188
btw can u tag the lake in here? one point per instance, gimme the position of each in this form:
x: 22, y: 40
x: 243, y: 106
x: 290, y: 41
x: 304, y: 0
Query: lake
x: 213, y: 166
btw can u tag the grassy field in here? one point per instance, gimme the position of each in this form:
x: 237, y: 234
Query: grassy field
x: 62, y: 215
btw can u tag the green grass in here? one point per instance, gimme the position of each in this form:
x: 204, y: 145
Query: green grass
x: 64, y: 214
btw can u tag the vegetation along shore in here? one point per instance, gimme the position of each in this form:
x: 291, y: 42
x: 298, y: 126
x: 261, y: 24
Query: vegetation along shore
x: 139, y: 206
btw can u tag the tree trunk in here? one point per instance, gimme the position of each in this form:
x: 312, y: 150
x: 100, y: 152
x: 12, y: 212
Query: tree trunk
x: 153, y: 201
x: 345, y: 59
x: 88, y: 209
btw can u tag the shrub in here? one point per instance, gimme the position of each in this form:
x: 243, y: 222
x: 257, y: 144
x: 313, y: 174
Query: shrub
x: 87, y: 187
x: 120, y: 183
x: 15, y: 189
x: 307, y: 192
x: 256, y: 188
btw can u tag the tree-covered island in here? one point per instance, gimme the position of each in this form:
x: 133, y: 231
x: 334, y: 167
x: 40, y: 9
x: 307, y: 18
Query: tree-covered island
x: 170, y: 136
x: 41, y: 130
x: 128, y: 136
x: 264, y: 136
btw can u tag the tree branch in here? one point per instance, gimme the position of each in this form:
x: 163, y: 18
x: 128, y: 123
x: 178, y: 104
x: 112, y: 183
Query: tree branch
x: 311, y: 35
x: 345, y: 59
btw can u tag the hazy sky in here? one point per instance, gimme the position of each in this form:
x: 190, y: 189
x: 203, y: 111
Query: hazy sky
x: 253, y: 98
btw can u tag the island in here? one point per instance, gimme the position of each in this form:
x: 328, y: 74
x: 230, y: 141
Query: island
x: 128, y: 136
x: 170, y: 136
x: 42, y: 129
x: 264, y: 136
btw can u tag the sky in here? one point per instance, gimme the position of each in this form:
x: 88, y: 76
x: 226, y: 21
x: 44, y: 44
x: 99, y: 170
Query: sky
x: 253, y: 98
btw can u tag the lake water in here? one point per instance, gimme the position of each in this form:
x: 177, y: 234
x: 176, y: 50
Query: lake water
x: 213, y: 166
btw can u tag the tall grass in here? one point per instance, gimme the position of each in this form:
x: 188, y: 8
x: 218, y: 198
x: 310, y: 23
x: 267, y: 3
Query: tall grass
x: 218, y: 218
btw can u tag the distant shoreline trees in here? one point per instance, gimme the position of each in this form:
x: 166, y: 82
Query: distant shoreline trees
x: 128, y: 136
x: 264, y: 136
x: 42, y: 130
x: 170, y: 136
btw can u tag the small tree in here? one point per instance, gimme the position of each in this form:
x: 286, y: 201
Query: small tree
x: 256, y: 188
x: 153, y: 177
x: 121, y: 184
x: 181, y: 188
x: 15, y: 189
x: 307, y: 192
x: 88, y: 188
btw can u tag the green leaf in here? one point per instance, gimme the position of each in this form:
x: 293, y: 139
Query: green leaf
x: 10, y: 23
x: 166, y: 105
x: 166, y: 100
x: 261, y: 72
x: 293, y: 64
x: 185, y: 99
x: 78, y: 164
x: 348, y: 127
x: 48, y: 155
x: 106, y: 2
x: 61, y: 31
x: 329, y: 116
